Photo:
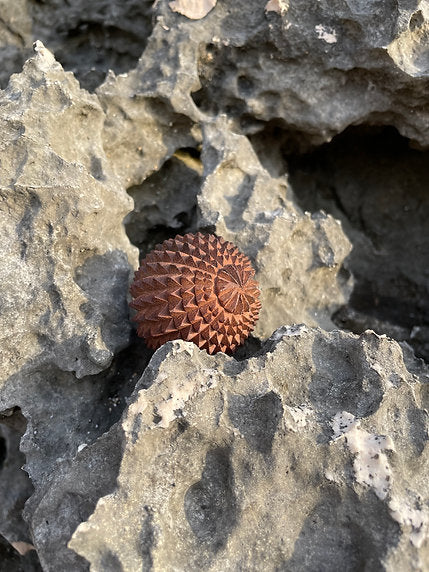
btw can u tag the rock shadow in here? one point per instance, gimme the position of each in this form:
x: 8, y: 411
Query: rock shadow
x: 372, y: 180
x: 348, y: 534
x: 257, y: 418
x: 210, y: 504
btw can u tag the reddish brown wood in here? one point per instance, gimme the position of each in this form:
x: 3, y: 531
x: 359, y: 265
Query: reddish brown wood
x: 198, y: 288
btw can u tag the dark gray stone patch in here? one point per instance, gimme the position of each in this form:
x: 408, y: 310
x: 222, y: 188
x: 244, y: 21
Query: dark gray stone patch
x: 418, y: 422
x: 25, y: 227
x: 343, y: 379
x: 110, y: 562
x: 257, y: 418
x: 147, y: 539
x: 337, y: 533
x: 210, y: 504
x: 104, y: 278
x: 136, y: 427
x: 239, y: 202
x: 3, y: 452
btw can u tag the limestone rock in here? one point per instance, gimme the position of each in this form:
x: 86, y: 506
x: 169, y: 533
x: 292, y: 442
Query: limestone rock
x: 298, y: 257
x: 316, y: 69
x: 313, y: 453
x: 66, y: 263
x: 66, y: 256
x: 72, y: 447
x: 69, y: 497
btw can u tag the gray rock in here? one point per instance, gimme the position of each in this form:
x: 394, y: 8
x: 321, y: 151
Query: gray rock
x: 66, y: 265
x: 298, y: 257
x: 310, y: 452
x: 313, y: 454
x: 144, y: 127
x: 88, y: 38
x: 313, y: 70
x: 15, y: 486
x: 69, y: 497
x: 72, y: 448
x: 375, y: 184
x: 66, y: 257
x: 316, y: 69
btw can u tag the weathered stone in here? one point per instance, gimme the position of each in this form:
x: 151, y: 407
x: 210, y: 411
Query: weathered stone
x: 88, y: 38
x: 298, y: 257
x: 64, y: 423
x: 65, y: 271
x: 312, y: 454
x: 316, y: 69
x: 65, y: 254
x: 148, y: 117
x: 373, y: 182
x: 287, y: 454
x: 69, y: 497
x: 15, y: 486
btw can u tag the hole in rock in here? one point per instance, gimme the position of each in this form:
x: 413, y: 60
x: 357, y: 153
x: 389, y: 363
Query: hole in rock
x: 165, y: 203
x: 227, y: 78
x: 116, y: 384
x: 250, y: 348
x: 12, y: 561
x: 208, y: 54
x: 275, y: 141
x: 15, y: 489
x: 88, y: 39
x: 376, y: 184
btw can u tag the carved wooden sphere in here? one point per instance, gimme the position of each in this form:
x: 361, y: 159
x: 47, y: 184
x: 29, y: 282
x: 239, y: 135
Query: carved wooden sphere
x: 198, y: 288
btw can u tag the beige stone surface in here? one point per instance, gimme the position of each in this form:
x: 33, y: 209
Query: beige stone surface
x: 310, y: 454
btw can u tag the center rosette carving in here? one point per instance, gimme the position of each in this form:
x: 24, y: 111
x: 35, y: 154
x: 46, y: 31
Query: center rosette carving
x: 231, y: 285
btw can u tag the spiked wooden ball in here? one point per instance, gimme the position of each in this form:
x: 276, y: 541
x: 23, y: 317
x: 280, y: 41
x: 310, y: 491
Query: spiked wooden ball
x: 198, y: 288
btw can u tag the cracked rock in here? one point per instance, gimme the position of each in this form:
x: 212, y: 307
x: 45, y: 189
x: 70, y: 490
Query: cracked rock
x: 54, y: 190
x: 305, y: 452
x: 312, y: 454
x: 298, y: 257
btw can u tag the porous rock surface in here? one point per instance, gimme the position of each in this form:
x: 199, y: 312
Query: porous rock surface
x: 320, y: 440
x: 60, y: 205
x: 298, y: 256
x: 66, y: 263
x: 312, y: 452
